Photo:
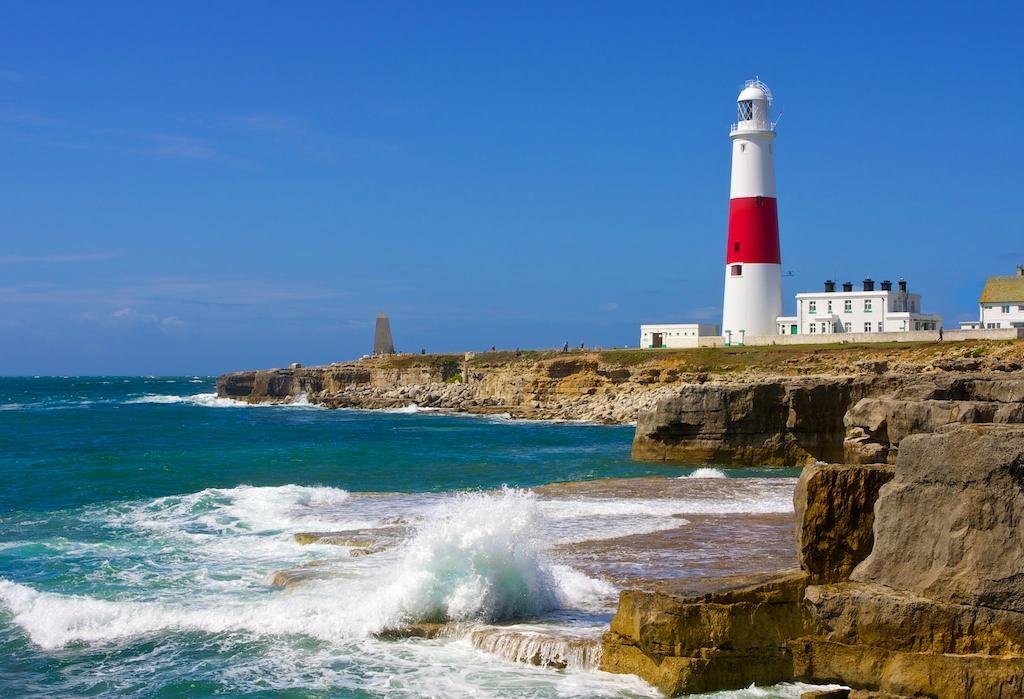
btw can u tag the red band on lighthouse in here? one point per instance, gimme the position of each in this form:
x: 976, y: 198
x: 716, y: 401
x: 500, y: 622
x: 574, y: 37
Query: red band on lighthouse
x: 753, y: 231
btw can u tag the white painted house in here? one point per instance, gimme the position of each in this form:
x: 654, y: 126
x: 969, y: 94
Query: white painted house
x: 1001, y: 304
x: 677, y: 335
x: 868, y: 310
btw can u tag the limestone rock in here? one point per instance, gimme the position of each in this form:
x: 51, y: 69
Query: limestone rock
x: 948, y: 526
x: 722, y: 640
x: 834, y: 513
x: 787, y: 422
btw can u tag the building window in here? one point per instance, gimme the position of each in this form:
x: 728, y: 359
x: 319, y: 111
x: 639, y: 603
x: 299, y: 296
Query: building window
x: 847, y: 306
x: 829, y: 306
x: 746, y: 110
x: 813, y: 328
x: 1006, y: 309
x: 848, y: 327
x: 812, y: 306
x: 992, y: 325
x: 867, y: 305
x: 736, y: 270
x: 743, y: 147
x: 880, y: 327
x: 824, y: 328
x: 867, y: 327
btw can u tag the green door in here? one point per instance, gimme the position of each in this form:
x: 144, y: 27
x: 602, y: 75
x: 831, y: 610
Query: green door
x: 792, y: 330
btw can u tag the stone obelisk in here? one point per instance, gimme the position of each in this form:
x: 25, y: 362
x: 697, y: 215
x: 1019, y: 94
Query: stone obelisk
x: 382, y: 342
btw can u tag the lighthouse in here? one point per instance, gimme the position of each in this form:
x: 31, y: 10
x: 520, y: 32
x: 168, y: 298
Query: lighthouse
x: 753, y: 271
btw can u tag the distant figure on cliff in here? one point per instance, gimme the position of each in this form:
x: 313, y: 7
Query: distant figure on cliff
x: 940, y: 334
x: 565, y: 347
x: 493, y: 348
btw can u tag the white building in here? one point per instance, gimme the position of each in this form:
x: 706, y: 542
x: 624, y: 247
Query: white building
x: 868, y: 310
x: 1001, y: 304
x: 678, y: 335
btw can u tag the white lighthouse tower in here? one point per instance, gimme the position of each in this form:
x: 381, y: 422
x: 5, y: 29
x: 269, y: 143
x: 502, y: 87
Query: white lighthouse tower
x: 753, y: 270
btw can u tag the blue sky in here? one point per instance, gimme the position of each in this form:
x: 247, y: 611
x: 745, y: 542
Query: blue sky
x: 199, y: 187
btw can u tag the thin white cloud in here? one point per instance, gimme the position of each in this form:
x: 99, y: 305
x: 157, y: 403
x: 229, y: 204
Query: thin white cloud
x: 66, y: 257
x: 704, y: 312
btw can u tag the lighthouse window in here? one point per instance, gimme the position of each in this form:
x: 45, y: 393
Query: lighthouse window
x: 736, y: 270
x: 746, y: 110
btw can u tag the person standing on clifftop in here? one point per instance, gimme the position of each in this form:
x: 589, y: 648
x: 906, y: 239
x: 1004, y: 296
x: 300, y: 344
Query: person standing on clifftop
x: 565, y: 347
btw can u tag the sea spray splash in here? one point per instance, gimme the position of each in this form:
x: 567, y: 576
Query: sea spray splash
x: 478, y: 556
x: 706, y: 473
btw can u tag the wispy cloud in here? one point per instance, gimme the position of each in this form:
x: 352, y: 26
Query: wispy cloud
x: 130, y: 315
x: 170, y: 146
x: 704, y: 312
x: 263, y: 123
x: 610, y: 306
x: 67, y: 257
x: 10, y: 76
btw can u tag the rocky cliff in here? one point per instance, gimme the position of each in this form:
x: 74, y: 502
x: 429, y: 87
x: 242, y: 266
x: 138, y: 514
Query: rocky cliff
x: 857, y: 415
x: 910, y: 585
x: 743, y: 405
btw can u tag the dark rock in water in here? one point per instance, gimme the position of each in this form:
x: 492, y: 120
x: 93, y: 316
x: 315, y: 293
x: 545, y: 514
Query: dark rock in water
x: 423, y: 629
x: 826, y: 694
x: 342, y: 538
x: 834, y: 513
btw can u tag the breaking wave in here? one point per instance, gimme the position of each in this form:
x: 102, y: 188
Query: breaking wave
x: 479, y: 557
x: 212, y: 400
x: 706, y: 473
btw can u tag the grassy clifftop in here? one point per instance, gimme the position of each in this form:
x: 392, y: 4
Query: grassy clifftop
x: 775, y: 360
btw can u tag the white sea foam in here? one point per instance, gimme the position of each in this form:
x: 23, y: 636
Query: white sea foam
x: 476, y: 558
x: 241, y: 510
x: 212, y: 400
x: 706, y: 473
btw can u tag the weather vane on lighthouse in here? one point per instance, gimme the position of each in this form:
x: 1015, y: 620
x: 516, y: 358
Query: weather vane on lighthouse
x: 753, y: 269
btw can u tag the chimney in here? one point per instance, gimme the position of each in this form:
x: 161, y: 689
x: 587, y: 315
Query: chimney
x: 903, y: 285
x: 1020, y: 270
x: 830, y: 286
x: 869, y: 284
x: 886, y: 285
x: 847, y: 286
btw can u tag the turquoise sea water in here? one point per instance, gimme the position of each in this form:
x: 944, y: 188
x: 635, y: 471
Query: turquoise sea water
x: 142, y: 521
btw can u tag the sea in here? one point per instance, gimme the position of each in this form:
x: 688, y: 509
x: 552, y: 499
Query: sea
x: 159, y: 541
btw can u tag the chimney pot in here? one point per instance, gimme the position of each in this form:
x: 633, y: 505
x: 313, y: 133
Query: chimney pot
x: 830, y: 286
x: 886, y: 285
x: 847, y: 286
x: 869, y: 284
x: 903, y: 285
